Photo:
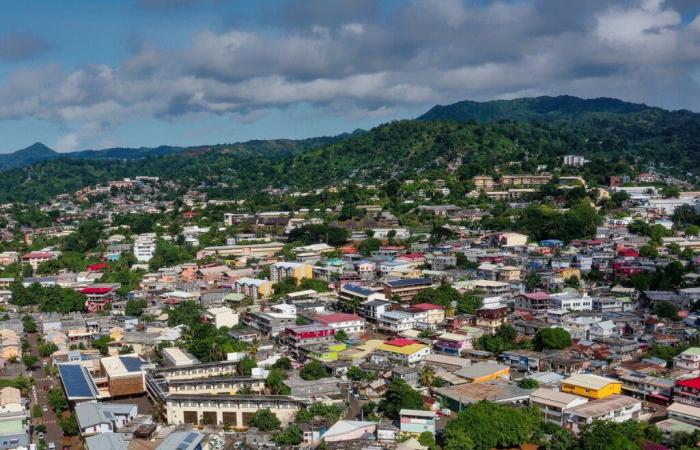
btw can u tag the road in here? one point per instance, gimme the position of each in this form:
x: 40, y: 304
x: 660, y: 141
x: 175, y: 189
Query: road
x: 39, y: 396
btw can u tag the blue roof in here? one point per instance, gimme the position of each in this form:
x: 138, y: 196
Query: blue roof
x: 355, y: 289
x: 548, y: 242
x: 77, y: 381
x: 132, y: 363
x: 408, y: 282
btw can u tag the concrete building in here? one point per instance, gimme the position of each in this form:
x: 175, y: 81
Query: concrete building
x: 591, y: 386
x: 349, y: 323
x: 554, y: 404
x: 14, y: 420
x: 688, y: 360
x: 615, y: 408
x: 144, y: 247
x: 415, y: 422
x: 99, y: 418
x: 404, y: 351
x: 297, y: 271
x: 253, y: 287
x: 222, y: 316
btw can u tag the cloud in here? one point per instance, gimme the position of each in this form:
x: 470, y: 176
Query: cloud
x: 67, y: 143
x: 364, y: 59
x: 21, y: 46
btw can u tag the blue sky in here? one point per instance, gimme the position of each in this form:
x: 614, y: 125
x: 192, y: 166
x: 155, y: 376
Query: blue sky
x: 94, y: 74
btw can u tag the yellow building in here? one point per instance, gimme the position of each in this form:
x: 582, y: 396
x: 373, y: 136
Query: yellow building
x: 591, y: 386
x: 483, y: 372
x: 568, y: 272
x: 299, y: 271
x: 253, y: 287
x: 405, y: 351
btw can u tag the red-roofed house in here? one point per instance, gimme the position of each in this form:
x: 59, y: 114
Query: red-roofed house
x: 687, y: 391
x: 427, y: 312
x: 535, y: 302
x: 99, y: 296
x: 36, y: 258
x: 349, y: 323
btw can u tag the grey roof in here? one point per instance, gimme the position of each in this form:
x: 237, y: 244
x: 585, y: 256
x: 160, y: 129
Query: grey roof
x: 90, y: 414
x: 181, y: 440
x: 106, y: 441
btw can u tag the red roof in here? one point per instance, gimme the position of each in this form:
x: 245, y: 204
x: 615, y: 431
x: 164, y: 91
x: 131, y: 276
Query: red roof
x: 693, y: 383
x: 400, y: 342
x: 539, y: 295
x: 96, y: 267
x: 336, y: 317
x: 37, y: 255
x: 96, y: 290
x: 348, y: 250
x: 426, y: 306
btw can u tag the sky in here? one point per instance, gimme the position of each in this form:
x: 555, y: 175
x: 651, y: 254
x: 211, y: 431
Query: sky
x: 103, y: 73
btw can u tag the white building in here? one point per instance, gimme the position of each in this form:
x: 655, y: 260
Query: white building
x: 554, y: 404
x: 616, y: 408
x: 222, y: 316
x: 144, y: 247
x: 574, y: 160
x: 396, y: 321
x: 688, y: 360
x: 349, y: 323
x: 571, y: 301
x: 99, y: 418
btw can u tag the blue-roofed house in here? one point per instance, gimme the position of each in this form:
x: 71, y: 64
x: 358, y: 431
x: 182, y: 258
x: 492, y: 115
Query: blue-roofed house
x: 405, y: 289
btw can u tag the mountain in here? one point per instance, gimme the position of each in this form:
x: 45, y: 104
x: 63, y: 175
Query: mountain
x: 27, y: 156
x: 515, y: 136
x: 562, y: 107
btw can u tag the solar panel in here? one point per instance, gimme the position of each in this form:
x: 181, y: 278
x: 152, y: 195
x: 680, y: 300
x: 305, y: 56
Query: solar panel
x: 76, y: 381
x: 189, y: 438
x: 131, y: 363
x: 358, y: 289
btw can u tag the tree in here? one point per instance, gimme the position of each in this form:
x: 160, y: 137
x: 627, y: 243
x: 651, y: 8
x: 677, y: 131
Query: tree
x: 102, y: 344
x: 341, y: 336
x: 36, y: 410
x: 57, y: 400
x: 551, y: 338
x: 560, y: 439
x: 246, y: 366
x: 666, y: 310
x: 572, y: 282
x: 29, y: 361
x: 356, y: 374
x: 314, y: 370
x: 488, y: 425
x: 648, y: 251
x: 264, y: 420
x: 427, y: 439
x: 398, y: 396
x: 69, y: 425
x: 443, y: 295
x: 315, y: 233
x: 290, y: 436
x: 426, y: 377
x: 468, y: 303
x: 85, y: 238
x: 275, y: 382
x: 135, y: 307
x: 528, y: 383
x: 617, y: 436
x: 283, y: 363
x: 126, y: 350
x: 29, y: 324
x: 369, y: 245
x: 47, y: 348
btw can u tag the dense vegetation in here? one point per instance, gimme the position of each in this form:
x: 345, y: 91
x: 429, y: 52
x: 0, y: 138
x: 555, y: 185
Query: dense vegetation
x: 530, y: 132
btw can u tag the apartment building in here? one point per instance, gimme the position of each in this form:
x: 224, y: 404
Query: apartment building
x: 555, y: 404
x: 688, y: 360
x: 349, y: 323
x: 615, y: 408
x: 144, y: 247
x: 253, y: 287
x: 406, y: 289
x: 298, y: 271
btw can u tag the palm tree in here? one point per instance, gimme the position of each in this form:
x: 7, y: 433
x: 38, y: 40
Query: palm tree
x: 426, y: 377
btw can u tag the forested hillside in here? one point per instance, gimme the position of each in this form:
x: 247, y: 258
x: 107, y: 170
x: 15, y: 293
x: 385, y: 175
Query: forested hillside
x: 613, y: 134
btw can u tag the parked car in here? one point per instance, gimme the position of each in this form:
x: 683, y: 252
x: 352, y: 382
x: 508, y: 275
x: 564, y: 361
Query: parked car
x: 40, y: 436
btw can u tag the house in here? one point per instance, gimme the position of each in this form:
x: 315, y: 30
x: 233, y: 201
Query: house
x: 615, y: 408
x: 483, y: 372
x: 414, y: 421
x: 511, y: 239
x: 36, y: 258
x: 646, y: 386
x: 354, y: 294
x: 524, y: 360
x: 349, y: 323
x: 14, y: 420
x: 372, y: 310
x: 554, y: 404
x: 591, y: 386
x: 452, y: 343
x: 571, y: 301
x: 688, y: 360
x: 684, y: 413
x: 404, y: 351
x: 109, y: 441
x: 221, y: 316
x: 182, y: 440
x: 99, y: 296
x: 297, y: 271
x: 605, y: 329
x: 405, y: 289
x: 99, y: 418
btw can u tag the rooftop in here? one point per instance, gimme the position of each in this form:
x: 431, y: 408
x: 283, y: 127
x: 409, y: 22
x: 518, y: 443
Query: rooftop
x: 589, y: 381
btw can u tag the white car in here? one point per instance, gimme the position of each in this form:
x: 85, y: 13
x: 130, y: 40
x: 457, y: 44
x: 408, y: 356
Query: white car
x: 45, y: 408
x: 40, y: 436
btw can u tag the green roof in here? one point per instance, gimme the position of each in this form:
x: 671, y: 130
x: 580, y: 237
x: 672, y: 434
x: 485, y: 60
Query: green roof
x: 693, y: 351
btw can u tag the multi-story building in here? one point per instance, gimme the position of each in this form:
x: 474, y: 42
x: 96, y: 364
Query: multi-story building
x: 452, y: 343
x: 297, y: 271
x: 555, y: 404
x: 642, y: 385
x: 353, y: 293
x: 253, y: 287
x: 14, y: 420
x: 571, y: 301
x: 396, y: 321
x: 269, y: 323
x: 687, y: 391
x: 349, y: 323
x: 688, y: 360
x: 144, y: 247
x: 372, y: 310
x: 36, y: 258
x: 535, y: 302
x: 429, y: 313
x: 615, y: 408
x: 406, y: 289
x: 574, y: 160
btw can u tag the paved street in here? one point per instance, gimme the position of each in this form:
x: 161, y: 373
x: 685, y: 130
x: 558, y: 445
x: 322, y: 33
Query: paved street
x: 39, y: 396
